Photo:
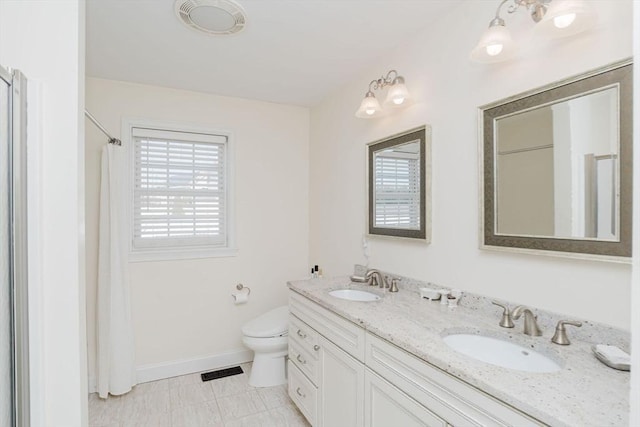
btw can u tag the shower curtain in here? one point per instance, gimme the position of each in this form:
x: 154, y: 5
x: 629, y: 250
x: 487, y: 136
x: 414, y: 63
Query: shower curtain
x: 115, y: 361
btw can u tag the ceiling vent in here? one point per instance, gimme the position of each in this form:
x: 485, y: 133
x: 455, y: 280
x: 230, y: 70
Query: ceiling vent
x: 218, y: 17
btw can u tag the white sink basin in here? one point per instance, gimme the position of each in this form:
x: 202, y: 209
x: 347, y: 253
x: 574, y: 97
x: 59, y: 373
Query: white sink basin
x: 501, y: 353
x: 354, y: 295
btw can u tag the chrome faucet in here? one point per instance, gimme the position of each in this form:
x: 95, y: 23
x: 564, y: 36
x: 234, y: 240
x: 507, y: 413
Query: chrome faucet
x: 374, y: 277
x: 530, y: 324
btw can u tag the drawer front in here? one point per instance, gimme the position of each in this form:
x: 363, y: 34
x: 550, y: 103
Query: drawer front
x: 303, y: 393
x: 303, y: 335
x: 304, y: 361
x: 345, y: 334
x: 457, y: 402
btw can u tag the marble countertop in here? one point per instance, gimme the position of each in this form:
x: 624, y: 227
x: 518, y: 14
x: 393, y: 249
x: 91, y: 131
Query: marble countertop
x: 584, y: 393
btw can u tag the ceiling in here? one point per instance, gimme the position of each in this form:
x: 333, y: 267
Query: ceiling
x: 292, y: 52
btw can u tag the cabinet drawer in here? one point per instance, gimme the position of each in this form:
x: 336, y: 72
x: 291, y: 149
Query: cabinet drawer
x: 450, y: 398
x: 345, y: 334
x: 303, y: 393
x: 304, y: 361
x: 303, y: 335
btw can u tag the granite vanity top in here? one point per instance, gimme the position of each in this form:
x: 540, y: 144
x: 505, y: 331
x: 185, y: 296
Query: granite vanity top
x: 584, y: 393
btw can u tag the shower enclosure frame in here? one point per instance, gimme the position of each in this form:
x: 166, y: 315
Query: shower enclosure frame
x: 18, y: 244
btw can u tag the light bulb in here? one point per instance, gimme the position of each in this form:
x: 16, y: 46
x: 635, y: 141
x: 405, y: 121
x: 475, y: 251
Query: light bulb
x: 563, y: 21
x: 565, y: 18
x: 369, y: 107
x: 398, y: 94
x: 494, y: 49
x: 495, y: 45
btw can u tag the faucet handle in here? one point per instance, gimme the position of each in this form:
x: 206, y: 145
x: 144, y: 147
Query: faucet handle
x: 560, y: 337
x: 506, y: 321
x: 394, y: 285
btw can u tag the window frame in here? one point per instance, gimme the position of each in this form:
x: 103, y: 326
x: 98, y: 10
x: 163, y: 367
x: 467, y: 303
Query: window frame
x: 141, y: 254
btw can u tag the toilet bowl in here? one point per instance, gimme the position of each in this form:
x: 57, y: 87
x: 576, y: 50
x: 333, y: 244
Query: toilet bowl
x: 267, y: 336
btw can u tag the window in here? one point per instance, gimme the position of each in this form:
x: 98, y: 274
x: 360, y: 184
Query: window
x: 181, y: 193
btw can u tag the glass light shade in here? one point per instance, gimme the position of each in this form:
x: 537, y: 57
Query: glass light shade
x: 566, y: 18
x: 369, y: 107
x: 398, y: 96
x: 495, y: 45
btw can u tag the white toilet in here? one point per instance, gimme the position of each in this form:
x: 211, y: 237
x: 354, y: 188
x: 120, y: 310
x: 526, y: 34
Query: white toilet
x: 267, y: 336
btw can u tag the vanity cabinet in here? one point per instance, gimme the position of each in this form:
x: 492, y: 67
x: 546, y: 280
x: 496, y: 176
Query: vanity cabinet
x: 455, y: 401
x: 326, y: 369
x: 340, y: 375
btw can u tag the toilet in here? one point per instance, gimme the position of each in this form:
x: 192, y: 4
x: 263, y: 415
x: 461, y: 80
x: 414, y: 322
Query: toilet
x: 267, y: 336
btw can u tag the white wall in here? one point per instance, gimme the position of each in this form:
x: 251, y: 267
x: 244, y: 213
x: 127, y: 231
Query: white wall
x: 45, y: 40
x: 183, y: 309
x: 448, y: 89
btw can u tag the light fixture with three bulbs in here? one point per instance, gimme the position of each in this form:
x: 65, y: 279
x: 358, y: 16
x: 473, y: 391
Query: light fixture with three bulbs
x: 554, y: 18
x: 397, y: 96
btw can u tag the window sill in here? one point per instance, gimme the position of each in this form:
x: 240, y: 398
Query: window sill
x: 180, y: 254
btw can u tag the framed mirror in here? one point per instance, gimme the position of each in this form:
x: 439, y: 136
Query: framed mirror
x: 399, y: 185
x: 556, y: 168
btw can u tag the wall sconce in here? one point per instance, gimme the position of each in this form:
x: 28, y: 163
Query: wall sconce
x: 554, y: 18
x: 398, y: 95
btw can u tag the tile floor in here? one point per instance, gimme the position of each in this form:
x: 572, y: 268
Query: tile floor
x: 186, y: 401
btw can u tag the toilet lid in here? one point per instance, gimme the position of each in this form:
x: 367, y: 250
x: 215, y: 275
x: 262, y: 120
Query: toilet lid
x: 271, y: 324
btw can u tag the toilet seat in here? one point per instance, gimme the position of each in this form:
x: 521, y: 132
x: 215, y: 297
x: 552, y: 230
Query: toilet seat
x: 273, y: 323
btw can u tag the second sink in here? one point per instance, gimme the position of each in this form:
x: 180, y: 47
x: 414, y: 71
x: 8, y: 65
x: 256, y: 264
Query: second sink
x: 501, y: 353
x: 354, y: 295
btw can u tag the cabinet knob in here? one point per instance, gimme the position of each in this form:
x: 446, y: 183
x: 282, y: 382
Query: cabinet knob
x: 301, y: 359
x: 316, y: 347
x: 300, y: 393
x: 301, y: 334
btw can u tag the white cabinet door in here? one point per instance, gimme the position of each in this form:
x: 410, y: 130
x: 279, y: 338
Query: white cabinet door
x: 387, y: 406
x: 341, y: 388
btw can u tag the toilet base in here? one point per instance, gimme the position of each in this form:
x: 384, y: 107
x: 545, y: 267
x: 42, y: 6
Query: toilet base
x: 268, y: 370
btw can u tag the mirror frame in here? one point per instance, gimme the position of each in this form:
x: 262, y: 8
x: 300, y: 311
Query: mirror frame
x: 620, y: 75
x: 423, y: 134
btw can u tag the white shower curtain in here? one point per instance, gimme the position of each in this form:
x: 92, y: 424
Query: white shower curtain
x: 115, y: 364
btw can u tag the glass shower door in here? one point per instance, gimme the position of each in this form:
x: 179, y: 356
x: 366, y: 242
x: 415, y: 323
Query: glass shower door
x: 6, y: 285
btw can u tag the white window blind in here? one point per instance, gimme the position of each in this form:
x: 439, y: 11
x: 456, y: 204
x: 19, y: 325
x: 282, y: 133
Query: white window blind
x: 179, y: 189
x: 397, y: 195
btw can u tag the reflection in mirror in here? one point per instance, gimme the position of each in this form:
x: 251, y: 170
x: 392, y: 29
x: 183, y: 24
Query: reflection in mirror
x: 397, y: 187
x: 397, y: 192
x: 557, y: 167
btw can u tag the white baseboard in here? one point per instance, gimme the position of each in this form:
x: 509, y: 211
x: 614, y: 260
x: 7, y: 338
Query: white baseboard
x: 159, y: 371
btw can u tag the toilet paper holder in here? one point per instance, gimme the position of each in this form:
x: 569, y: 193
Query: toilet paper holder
x: 241, y: 287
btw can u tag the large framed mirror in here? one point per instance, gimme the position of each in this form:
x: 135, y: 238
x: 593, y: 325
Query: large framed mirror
x: 399, y: 185
x: 556, y: 168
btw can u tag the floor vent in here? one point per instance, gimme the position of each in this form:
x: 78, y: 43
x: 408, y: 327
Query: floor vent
x: 221, y: 373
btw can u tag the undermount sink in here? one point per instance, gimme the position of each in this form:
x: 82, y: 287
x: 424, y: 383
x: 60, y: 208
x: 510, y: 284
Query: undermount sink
x: 501, y: 353
x: 354, y: 295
